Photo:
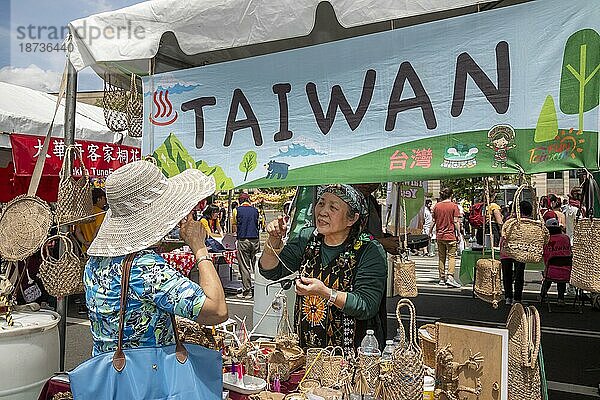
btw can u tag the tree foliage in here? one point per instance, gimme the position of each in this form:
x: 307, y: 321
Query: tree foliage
x: 248, y: 163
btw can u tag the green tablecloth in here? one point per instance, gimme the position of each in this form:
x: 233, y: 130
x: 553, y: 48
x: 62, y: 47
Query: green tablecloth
x: 469, y: 258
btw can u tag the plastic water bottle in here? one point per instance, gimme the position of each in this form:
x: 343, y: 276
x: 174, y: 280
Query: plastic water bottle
x: 388, y: 351
x: 369, y: 345
x: 398, y: 339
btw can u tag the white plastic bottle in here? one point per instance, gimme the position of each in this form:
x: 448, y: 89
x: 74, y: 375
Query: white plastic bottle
x: 369, y: 345
x: 388, y: 351
x: 398, y: 339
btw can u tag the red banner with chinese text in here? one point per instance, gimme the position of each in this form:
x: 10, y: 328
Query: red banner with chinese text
x: 99, y: 158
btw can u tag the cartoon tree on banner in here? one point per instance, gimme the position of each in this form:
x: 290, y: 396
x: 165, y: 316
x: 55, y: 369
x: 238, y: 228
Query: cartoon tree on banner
x: 547, y: 124
x: 248, y: 163
x: 580, y: 79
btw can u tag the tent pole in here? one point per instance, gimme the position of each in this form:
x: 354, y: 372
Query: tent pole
x: 70, y: 104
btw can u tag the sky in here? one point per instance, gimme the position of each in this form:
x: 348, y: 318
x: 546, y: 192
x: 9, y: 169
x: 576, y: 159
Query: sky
x: 31, y: 37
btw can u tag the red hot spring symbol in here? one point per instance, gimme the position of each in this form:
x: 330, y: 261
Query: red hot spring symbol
x: 164, y: 114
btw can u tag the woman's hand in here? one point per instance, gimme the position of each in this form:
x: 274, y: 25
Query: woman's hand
x: 193, y: 233
x: 311, y: 286
x: 276, y: 230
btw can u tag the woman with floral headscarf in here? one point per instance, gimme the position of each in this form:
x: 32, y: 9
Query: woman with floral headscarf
x: 339, y: 270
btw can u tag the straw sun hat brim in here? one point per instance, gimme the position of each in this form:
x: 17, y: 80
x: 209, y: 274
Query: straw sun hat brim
x: 122, y: 235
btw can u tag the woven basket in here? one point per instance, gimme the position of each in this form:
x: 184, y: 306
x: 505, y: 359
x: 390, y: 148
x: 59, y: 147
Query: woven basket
x: 314, y: 362
x: 64, y: 276
x: 524, y: 238
x: 405, y: 277
x: 428, y: 344
x: 524, y: 335
x: 74, y: 201
x: 407, y: 361
x: 585, y: 273
x: 293, y: 359
x: 488, y: 280
x: 369, y: 366
x: 332, y: 367
x: 135, y: 110
x: 114, y: 102
x: 24, y: 226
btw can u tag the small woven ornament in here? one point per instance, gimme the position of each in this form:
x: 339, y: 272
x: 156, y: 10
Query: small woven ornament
x: 74, y: 201
x: 24, y: 226
x: 63, y: 276
x: 63, y: 396
x: 114, y: 102
x: 135, y: 110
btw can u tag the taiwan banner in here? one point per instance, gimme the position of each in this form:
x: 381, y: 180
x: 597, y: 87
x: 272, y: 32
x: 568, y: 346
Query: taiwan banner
x: 512, y: 90
x: 99, y: 158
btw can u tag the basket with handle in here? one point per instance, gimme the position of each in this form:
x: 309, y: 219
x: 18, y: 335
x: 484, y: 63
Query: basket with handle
x: 74, y: 201
x: 408, y: 371
x: 524, y: 337
x: 134, y: 110
x: 405, y: 274
x: 524, y: 238
x: 332, y: 367
x: 314, y: 362
x: 585, y: 273
x: 488, y: 276
x: 63, y: 276
x: 26, y: 219
x: 114, y: 103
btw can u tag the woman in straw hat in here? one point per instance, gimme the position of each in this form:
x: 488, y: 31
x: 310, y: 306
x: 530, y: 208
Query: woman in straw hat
x: 339, y: 270
x: 144, y: 207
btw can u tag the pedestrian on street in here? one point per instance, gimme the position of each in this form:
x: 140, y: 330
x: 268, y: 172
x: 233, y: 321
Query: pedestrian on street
x: 447, y: 228
x: 427, y: 225
x: 244, y: 222
x: 513, y: 270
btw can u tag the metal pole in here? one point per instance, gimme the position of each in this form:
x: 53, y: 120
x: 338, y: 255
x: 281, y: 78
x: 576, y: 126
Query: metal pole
x: 69, y: 125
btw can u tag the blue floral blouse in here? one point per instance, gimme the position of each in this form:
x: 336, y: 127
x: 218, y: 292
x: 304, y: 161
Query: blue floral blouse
x: 156, y: 290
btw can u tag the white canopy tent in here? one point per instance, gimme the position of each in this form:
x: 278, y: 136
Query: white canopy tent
x: 163, y: 35
x: 28, y: 111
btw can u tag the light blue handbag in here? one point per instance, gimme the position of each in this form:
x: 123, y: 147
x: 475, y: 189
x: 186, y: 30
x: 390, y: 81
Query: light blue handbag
x: 171, y: 372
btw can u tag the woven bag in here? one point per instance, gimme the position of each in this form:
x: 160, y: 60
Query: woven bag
x: 24, y: 226
x: 585, y: 273
x: 114, y: 102
x: 428, y: 344
x: 314, y: 362
x: 405, y: 277
x: 74, y: 201
x: 488, y: 280
x: 524, y: 335
x: 63, y: 276
x: 332, y: 367
x: 369, y: 366
x: 407, y: 360
x: 134, y: 110
x: 405, y: 273
x: 488, y: 271
x: 524, y: 238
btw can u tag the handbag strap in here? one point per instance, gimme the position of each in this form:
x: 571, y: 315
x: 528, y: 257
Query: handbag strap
x: 67, y: 167
x: 533, y: 336
x: 68, y: 247
x: 488, y: 218
x: 411, y: 341
x: 118, y: 360
x: 41, y: 160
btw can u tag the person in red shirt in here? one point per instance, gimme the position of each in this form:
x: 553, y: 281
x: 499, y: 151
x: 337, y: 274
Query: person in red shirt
x: 447, y: 227
x: 558, y: 260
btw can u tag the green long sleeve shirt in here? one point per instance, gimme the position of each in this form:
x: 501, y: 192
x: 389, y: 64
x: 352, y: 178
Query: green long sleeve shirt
x: 370, y: 283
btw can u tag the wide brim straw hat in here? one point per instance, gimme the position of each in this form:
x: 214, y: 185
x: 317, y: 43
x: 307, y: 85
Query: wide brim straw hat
x: 144, y: 206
